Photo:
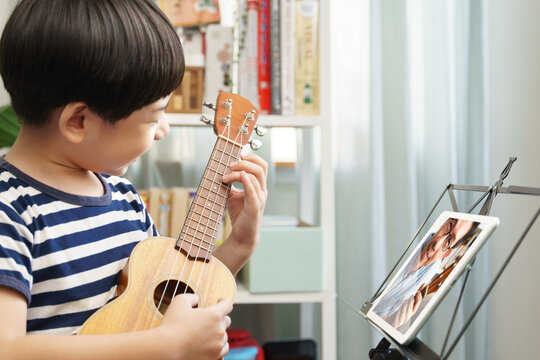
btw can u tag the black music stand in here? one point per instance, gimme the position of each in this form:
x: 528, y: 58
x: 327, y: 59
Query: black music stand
x: 388, y: 348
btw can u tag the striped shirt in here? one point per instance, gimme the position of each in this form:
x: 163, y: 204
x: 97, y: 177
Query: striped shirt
x: 65, y: 252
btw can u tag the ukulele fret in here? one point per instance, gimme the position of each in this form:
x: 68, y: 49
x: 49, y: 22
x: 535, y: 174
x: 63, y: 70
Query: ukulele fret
x: 212, y: 189
x: 203, y: 229
x: 201, y: 241
x: 211, y: 174
x: 202, y: 215
x: 205, y: 202
x: 194, y: 250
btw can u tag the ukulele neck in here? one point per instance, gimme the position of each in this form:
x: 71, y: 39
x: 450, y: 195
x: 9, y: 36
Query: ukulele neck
x: 200, y: 230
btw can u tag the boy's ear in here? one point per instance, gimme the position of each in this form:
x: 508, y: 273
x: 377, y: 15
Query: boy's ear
x: 73, y: 121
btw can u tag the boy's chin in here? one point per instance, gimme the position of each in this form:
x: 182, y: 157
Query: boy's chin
x: 117, y: 172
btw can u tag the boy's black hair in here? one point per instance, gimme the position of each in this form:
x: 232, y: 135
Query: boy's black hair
x: 115, y: 55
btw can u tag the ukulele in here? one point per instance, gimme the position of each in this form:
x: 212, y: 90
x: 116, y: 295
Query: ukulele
x: 160, y: 267
x: 439, y: 279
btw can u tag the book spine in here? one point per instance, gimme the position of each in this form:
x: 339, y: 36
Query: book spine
x: 252, y: 52
x: 306, y: 72
x: 164, y: 213
x: 219, y: 46
x: 242, y: 71
x: 275, y: 58
x: 287, y: 33
x: 265, y: 96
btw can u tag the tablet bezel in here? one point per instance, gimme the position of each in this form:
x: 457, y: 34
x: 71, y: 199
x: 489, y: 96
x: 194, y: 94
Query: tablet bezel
x: 489, y: 223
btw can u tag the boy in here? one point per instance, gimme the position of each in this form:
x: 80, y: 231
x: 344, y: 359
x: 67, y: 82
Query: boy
x: 90, y: 81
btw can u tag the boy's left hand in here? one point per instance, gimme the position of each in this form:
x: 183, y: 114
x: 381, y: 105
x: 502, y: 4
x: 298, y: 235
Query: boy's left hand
x: 246, y: 206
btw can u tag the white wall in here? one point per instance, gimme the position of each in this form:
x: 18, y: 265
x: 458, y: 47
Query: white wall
x: 514, y: 77
x: 5, y: 9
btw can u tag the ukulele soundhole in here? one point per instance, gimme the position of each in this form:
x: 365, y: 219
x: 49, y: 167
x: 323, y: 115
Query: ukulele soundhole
x: 165, y: 291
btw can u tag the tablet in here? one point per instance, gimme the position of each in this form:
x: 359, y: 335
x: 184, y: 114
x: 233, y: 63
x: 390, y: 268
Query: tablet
x: 429, y: 272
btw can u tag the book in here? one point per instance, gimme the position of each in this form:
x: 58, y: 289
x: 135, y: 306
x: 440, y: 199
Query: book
x: 153, y: 204
x: 251, y: 92
x: 219, y: 48
x: 275, y: 58
x: 159, y: 203
x: 187, y: 97
x: 306, y: 71
x: 191, y: 12
x: 241, y: 87
x: 265, y: 96
x: 181, y: 202
x: 287, y: 33
x: 192, y: 42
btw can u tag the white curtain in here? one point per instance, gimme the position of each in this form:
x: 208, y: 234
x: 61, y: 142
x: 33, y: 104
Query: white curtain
x: 410, y: 113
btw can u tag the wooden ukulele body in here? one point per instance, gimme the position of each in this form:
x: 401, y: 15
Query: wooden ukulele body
x: 153, y: 262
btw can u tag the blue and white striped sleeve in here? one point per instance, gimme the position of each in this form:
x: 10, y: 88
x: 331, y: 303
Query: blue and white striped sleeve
x: 15, y: 252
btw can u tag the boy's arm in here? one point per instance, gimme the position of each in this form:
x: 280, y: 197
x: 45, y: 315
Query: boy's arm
x: 245, y: 209
x: 185, y: 333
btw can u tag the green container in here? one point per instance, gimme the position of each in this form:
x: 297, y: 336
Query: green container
x: 9, y: 126
x: 287, y: 259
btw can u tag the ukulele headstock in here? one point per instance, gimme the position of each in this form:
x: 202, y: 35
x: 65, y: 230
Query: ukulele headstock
x: 235, y: 118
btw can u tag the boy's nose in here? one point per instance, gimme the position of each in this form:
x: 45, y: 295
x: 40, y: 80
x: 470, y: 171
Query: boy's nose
x: 162, y: 129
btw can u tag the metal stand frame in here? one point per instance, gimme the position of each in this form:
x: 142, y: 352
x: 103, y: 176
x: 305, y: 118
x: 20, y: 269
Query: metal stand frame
x: 416, y: 349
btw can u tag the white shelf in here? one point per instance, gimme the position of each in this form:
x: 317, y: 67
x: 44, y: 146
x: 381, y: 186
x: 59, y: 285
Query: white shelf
x: 243, y: 296
x: 264, y: 120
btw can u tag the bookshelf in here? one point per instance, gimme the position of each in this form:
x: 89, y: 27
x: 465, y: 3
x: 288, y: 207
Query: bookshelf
x: 323, y: 122
x: 243, y: 296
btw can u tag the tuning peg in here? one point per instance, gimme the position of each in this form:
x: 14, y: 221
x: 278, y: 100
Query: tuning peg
x: 260, y: 130
x: 255, y: 144
x: 206, y: 120
x: 209, y: 105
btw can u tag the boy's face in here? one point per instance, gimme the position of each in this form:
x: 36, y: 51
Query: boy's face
x: 117, y: 146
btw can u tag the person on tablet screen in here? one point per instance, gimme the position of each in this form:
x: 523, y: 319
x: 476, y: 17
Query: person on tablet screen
x: 404, y: 297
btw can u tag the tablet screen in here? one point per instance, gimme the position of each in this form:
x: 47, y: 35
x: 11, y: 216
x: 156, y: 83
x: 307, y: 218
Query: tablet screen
x: 449, y: 245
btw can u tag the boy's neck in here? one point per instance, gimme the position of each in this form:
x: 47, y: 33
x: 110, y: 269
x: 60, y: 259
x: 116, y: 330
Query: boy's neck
x: 40, y: 153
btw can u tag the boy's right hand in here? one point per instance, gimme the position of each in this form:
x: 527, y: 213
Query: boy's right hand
x: 196, y: 333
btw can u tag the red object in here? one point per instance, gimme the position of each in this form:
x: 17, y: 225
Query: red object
x: 242, y: 338
x: 265, y: 89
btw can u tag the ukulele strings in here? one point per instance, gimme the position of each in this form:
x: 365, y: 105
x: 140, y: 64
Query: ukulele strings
x: 214, y: 202
x: 191, y: 244
x: 206, y: 207
x: 202, y: 240
x: 228, y: 186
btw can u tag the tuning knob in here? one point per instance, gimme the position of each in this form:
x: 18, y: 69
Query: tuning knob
x: 209, y: 105
x: 207, y: 120
x: 260, y: 130
x: 255, y: 144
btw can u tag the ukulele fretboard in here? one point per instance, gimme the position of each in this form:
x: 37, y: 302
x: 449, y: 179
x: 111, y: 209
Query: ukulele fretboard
x: 203, y: 221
